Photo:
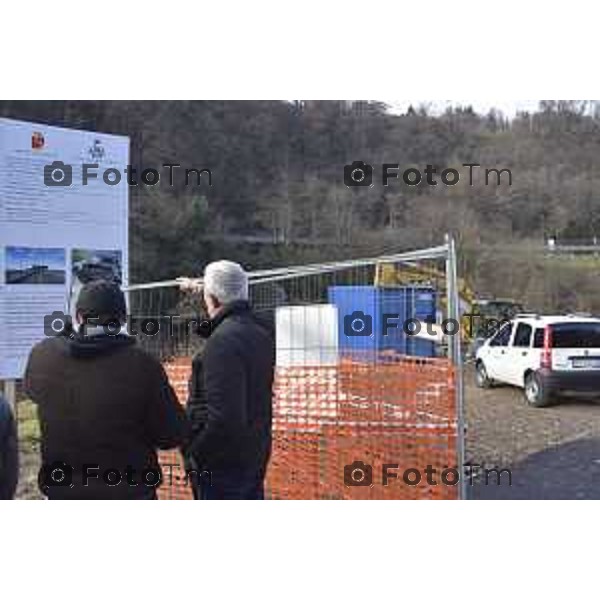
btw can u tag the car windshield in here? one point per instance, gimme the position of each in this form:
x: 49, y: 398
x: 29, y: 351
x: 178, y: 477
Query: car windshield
x: 576, y: 335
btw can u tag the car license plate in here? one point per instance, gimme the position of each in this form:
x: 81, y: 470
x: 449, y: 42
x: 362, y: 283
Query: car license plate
x: 586, y: 363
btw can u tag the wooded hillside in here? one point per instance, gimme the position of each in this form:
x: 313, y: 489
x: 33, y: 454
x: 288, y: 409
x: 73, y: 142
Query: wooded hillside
x: 277, y: 174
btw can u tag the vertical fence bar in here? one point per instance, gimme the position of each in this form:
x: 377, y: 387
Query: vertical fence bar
x: 10, y: 391
x: 455, y: 353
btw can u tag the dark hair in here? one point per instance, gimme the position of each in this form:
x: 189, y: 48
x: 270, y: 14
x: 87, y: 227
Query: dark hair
x: 102, y: 301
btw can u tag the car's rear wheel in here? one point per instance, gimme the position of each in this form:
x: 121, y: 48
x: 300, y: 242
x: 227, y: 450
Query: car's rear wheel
x: 481, y: 376
x: 536, y: 392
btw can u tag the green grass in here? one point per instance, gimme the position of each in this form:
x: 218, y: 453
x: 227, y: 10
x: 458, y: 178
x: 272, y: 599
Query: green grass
x: 29, y: 448
x: 29, y: 428
x: 577, y: 261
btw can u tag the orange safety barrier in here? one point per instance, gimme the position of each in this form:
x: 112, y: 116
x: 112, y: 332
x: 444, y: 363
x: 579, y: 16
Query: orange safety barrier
x: 175, y: 485
x: 398, y: 411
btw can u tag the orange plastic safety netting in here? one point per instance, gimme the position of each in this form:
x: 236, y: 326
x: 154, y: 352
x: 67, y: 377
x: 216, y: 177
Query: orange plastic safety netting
x: 335, y: 427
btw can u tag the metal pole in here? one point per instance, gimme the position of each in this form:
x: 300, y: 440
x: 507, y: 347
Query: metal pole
x: 263, y: 276
x: 455, y: 353
x: 10, y: 391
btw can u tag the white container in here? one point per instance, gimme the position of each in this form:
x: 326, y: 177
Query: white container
x: 307, y: 335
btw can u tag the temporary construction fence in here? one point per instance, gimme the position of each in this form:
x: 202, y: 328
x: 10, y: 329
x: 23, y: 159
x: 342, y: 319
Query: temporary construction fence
x: 373, y: 413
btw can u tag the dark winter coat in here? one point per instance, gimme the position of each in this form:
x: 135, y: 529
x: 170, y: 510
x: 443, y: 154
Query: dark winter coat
x: 9, y: 455
x: 102, y: 401
x: 231, y: 394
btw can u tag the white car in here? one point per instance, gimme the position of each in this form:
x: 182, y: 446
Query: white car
x: 544, y: 355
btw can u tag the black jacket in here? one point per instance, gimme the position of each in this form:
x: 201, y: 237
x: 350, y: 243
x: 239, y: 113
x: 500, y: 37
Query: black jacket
x: 231, y: 394
x: 9, y: 455
x: 102, y: 401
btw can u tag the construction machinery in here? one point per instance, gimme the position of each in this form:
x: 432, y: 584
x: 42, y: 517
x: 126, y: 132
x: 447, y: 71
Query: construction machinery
x: 407, y: 274
x: 475, y: 312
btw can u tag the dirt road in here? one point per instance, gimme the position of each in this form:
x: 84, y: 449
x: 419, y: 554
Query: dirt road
x: 551, y: 452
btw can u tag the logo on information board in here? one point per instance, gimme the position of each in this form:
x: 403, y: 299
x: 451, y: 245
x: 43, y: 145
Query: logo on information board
x: 37, y: 140
x: 96, y: 151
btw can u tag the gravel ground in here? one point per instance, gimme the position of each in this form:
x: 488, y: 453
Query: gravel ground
x: 552, y: 452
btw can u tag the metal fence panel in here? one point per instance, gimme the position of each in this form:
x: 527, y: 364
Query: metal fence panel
x: 342, y: 410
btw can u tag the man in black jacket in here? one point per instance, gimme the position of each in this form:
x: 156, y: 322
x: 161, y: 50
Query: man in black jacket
x: 231, y: 391
x: 105, y: 405
x: 9, y: 455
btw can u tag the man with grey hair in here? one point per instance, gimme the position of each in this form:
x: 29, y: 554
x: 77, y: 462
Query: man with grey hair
x: 231, y: 392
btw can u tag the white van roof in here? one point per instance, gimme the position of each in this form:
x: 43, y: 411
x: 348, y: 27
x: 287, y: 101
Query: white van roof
x: 543, y: 320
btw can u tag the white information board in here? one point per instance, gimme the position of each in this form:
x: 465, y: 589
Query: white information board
x: 54, y: 237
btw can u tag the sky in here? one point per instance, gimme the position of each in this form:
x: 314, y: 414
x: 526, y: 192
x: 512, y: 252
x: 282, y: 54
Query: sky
x: 508, y: 107
x: 18, y: 257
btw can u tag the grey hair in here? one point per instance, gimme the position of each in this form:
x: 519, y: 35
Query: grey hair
x: 226, y: 281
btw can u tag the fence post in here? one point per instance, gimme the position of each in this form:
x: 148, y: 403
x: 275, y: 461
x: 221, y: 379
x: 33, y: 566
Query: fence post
x: 10, y: 391
x: 455, y: 352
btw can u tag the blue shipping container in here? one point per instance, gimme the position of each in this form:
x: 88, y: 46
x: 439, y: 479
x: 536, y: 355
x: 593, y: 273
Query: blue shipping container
x: 363, y: 312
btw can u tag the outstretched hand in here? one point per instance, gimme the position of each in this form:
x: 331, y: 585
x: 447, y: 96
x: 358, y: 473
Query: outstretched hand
x: 187, y: 284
